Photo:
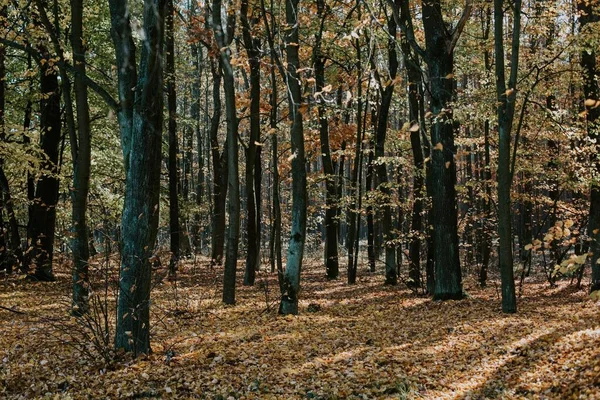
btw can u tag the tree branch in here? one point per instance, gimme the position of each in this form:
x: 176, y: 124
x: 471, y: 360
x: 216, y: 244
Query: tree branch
x: 455, y: 35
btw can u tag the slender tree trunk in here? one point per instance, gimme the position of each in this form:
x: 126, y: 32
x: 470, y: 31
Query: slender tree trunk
x: 352, y: 212
x: 81, y: 165
x: 174, y: 227
x: 275, y: 242
x: 291, y: 278
x: 219, y: 160
x: 414, y: 84
x: 505, y: 110
x: 233, y: 180
x: 486, y: 242
x: 370, y: 177
x: 195, y: 114
x: 252, y: 45
x: 331, y: 200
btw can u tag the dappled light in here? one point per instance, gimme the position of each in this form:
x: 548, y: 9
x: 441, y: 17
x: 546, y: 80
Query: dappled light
x: 371, y: 341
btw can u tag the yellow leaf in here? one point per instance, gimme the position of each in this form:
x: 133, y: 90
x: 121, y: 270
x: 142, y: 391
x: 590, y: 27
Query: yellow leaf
x: 528, y: 247
x: 439, y: 146
x: 590, y: 102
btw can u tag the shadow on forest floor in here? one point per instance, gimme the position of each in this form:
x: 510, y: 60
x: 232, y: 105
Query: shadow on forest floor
x: 364, y: 341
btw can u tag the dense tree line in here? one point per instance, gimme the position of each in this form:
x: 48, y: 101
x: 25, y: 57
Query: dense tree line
x: 436, y: 137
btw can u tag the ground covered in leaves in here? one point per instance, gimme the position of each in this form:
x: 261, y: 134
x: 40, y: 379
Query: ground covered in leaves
x: 365, y: 341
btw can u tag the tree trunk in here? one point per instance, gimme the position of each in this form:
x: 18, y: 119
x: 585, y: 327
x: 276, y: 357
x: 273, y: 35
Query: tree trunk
x: 195, y: 114
x: 331, y: 198
x: 352, y: 190
x: 291, y: 277
x: 140, y: 119
x: 81, y: 165
x: 275, y: 242
x: 589, y: 15
x: 440, y: 63
x: 506, y: 110
x: 219, y: 160
x: 414, y: 105
x: 486, y: 241
x: 233, y: 180
x: 174, y: 227
x: 42, y: 223
x: 391, y: 276
x: 252, y: 45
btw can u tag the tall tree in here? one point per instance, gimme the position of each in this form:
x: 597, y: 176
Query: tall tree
x: 224, y: 37
x: 589, y: 17
x: 81, y: 163
x: 291, y: 278
x: 331, y: 193
x: 174, y: 227
x: 41, y: 226
x: 252, y: 45
x: 441, y: 38
x: 383, y: 112
x: 140, y: 121
x: 506, y: 98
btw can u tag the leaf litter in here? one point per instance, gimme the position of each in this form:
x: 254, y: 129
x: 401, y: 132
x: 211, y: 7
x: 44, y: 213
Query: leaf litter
x: 366, y: 341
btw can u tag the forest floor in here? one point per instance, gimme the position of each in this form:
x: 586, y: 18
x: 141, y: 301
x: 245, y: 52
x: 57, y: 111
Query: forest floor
x: 366, y: 341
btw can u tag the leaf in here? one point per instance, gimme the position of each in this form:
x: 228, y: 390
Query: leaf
x: 439, y: 146
x: 590, y: 103
x: 415, y: 128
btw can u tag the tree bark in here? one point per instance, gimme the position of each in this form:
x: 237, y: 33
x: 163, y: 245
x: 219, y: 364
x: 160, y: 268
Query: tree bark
x: 42, y: 223
x: 233, y: 184
x: 331, y: 198
x: 505, y: 111
x: 588, y: 15
x: 440, y: 63
x: 140, y: 119
x: 81, y: 165
x: 252, y: 45
x: 291, y: 277
x: 174, y: 227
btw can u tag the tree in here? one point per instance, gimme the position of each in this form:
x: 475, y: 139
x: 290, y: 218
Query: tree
x: 81, y: 149
x: 40, y: 229
x: 252, y: 45
x: 291, y: 277
x: 506, y: 97
x: 174, y: 227
x: 589, y: 17
x: 440, y: 41
x: 140, y: 121
x: 223, y: 40
x: 387, y: 91
x: 331, y: 192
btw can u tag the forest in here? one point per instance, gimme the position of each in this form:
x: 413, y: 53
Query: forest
x: 325, y: 199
